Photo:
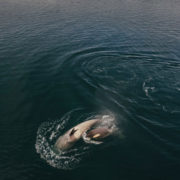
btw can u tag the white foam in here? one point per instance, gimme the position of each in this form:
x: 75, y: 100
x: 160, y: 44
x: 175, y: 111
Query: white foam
x: 148, y: 88
x: 48, y: 133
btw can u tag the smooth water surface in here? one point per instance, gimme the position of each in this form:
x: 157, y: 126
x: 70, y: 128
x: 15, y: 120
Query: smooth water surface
x: 66, y: 60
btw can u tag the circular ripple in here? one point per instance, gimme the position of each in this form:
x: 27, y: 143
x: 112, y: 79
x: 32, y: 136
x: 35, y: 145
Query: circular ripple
x: 143, y: 86
x: 132, y: 84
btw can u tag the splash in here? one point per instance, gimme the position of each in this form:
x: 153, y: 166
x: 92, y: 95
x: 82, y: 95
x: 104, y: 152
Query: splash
x: 48, y: 133
x: 148, y: 88
x: 107, y: 121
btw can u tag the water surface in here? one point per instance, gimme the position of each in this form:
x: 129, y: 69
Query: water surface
x: 119, y: 56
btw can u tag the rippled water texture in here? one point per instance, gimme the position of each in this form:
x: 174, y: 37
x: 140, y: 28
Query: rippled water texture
x: 63, y: 62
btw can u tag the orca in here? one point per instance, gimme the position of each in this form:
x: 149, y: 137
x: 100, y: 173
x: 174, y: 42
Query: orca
x: 98, y: 133
x: 67, y: 140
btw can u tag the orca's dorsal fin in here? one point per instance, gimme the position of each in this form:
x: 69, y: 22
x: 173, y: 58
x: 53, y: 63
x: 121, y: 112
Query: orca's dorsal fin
x: 72, y: 131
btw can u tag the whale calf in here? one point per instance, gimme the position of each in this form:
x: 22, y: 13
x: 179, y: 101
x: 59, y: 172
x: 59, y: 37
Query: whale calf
x: 99, y: 133
x: 67, y: 140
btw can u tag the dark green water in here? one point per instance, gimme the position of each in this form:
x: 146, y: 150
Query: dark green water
x: 84, y: 57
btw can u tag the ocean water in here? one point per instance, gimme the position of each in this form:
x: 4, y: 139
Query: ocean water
x: 63, y: 62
